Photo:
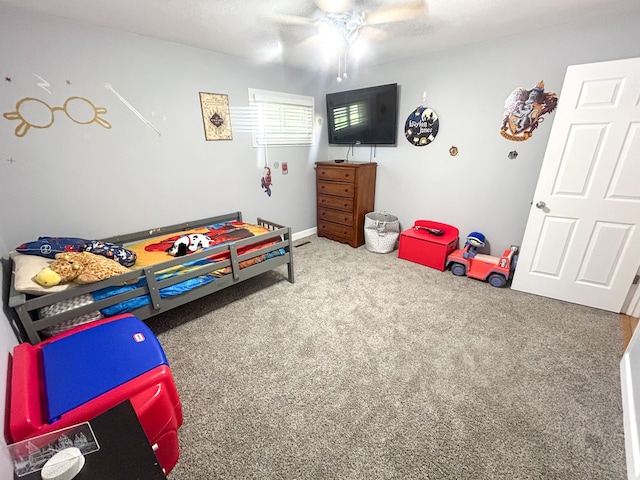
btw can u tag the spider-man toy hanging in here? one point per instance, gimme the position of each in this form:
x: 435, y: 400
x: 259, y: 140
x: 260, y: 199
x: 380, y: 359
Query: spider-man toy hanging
x: 265, y: 181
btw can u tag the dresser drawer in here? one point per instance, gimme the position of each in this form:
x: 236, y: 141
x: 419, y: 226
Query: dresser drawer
x: 345, y: 194
x: 336, y: 188
x: 336, y: 216
x: 337, y: 203
x: 339, y: 174
x: 328, y: 229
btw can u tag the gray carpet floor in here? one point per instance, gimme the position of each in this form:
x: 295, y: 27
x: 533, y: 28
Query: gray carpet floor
x: 373, y: 367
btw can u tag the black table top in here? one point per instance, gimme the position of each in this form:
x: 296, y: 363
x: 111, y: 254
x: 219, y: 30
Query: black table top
x: 125, y: 453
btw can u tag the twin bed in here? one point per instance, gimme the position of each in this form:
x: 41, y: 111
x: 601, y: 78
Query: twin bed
x: 157, y: 282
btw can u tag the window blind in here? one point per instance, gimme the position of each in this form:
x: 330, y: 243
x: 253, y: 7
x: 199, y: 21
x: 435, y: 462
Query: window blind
x: 281, y: 119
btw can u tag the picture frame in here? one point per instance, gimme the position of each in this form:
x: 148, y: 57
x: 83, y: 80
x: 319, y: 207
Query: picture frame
x: 215, y: 116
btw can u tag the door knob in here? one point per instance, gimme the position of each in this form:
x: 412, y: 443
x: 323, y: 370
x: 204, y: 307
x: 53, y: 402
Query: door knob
x: 541, y: 205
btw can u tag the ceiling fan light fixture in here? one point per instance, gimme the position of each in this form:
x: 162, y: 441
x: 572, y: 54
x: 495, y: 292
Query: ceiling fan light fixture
x: 341, y: 28
x: 340, y: 32
x: 330, y: 35
x: 351, y: 36
x: 351, y: 26
x: 358, y: 48
x: 325, y: 30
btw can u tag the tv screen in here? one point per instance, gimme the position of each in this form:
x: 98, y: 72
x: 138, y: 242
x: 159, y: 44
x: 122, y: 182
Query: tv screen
x: 363, y: 116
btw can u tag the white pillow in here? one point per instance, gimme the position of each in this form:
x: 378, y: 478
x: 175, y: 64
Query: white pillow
x: 25, y: 267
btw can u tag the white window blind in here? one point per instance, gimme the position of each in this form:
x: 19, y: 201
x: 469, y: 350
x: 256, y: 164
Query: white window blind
x: 280, y: 119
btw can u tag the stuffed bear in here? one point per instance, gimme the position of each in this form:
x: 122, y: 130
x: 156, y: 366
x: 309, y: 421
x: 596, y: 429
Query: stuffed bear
x: 79, y: 267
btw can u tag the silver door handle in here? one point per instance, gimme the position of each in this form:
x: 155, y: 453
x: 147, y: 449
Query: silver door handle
x: 541, y: 205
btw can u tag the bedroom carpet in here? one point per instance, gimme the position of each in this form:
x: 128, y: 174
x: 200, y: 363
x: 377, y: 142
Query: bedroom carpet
x: 372, y: 367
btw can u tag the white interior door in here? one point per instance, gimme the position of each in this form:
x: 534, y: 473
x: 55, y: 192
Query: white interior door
x: 582, y: 238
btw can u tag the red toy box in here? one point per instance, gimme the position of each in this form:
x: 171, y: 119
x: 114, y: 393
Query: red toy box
x: 428, y: 243
x: 75, y: 376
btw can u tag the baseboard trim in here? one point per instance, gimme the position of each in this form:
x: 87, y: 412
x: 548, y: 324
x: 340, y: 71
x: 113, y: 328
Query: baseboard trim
x: 304, y: 233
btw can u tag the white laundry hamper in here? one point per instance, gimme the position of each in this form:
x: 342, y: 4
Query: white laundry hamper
x: 381, y: 232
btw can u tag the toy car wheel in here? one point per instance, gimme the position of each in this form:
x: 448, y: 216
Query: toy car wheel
x: 458, y: 269
x: 497, y: 280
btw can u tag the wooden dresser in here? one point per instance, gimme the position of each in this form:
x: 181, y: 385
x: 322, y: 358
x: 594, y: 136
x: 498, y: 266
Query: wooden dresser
x: 345, y: 193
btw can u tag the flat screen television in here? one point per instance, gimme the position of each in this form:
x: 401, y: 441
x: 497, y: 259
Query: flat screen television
x: 363, y: 116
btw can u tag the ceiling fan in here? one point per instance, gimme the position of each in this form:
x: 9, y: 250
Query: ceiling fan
x: 339, y: 23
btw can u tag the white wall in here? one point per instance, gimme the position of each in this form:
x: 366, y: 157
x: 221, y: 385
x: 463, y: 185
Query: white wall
x: 89, y: 181
x: 480, y: 189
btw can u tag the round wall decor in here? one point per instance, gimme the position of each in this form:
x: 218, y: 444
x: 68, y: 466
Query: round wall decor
x: 421, y: 126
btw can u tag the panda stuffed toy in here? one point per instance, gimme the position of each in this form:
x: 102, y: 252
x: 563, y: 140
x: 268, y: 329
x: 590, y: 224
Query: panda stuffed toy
x: 188, y: 244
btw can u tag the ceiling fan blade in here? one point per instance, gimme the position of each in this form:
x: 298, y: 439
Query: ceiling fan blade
x: 334, y: 6
x: 400, y: 13
x: 312, y: 41
x: 373, y: 34
x: 285, y: 19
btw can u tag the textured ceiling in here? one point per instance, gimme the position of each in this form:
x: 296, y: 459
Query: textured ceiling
x: 273, y: 31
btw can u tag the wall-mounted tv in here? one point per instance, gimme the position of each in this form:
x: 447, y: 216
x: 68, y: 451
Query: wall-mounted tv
x: 363, y: 116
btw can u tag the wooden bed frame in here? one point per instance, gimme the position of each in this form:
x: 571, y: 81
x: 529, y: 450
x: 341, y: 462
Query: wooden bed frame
x: 26, y: 306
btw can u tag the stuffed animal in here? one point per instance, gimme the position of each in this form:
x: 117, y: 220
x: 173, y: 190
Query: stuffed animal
x: 79, y: 267
x: 188, y: 244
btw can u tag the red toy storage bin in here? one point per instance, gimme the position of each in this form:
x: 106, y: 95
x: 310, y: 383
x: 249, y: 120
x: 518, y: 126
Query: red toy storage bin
x: 423, y: 247
x: 153, y: 394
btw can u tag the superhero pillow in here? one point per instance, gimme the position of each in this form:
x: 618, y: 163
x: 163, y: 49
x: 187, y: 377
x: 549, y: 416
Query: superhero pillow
x: 50, y: 246
x: 115, y: 252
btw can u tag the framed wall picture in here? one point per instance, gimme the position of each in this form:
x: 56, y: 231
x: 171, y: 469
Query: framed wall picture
x: 215, y: 115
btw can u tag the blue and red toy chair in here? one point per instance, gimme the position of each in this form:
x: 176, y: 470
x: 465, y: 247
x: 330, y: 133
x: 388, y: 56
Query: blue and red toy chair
x: 83, y: 372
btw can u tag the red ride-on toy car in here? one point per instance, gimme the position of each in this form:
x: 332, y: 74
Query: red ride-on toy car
x: 496, y: 270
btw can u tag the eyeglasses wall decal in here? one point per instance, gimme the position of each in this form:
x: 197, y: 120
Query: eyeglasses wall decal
x: 36, y: 113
